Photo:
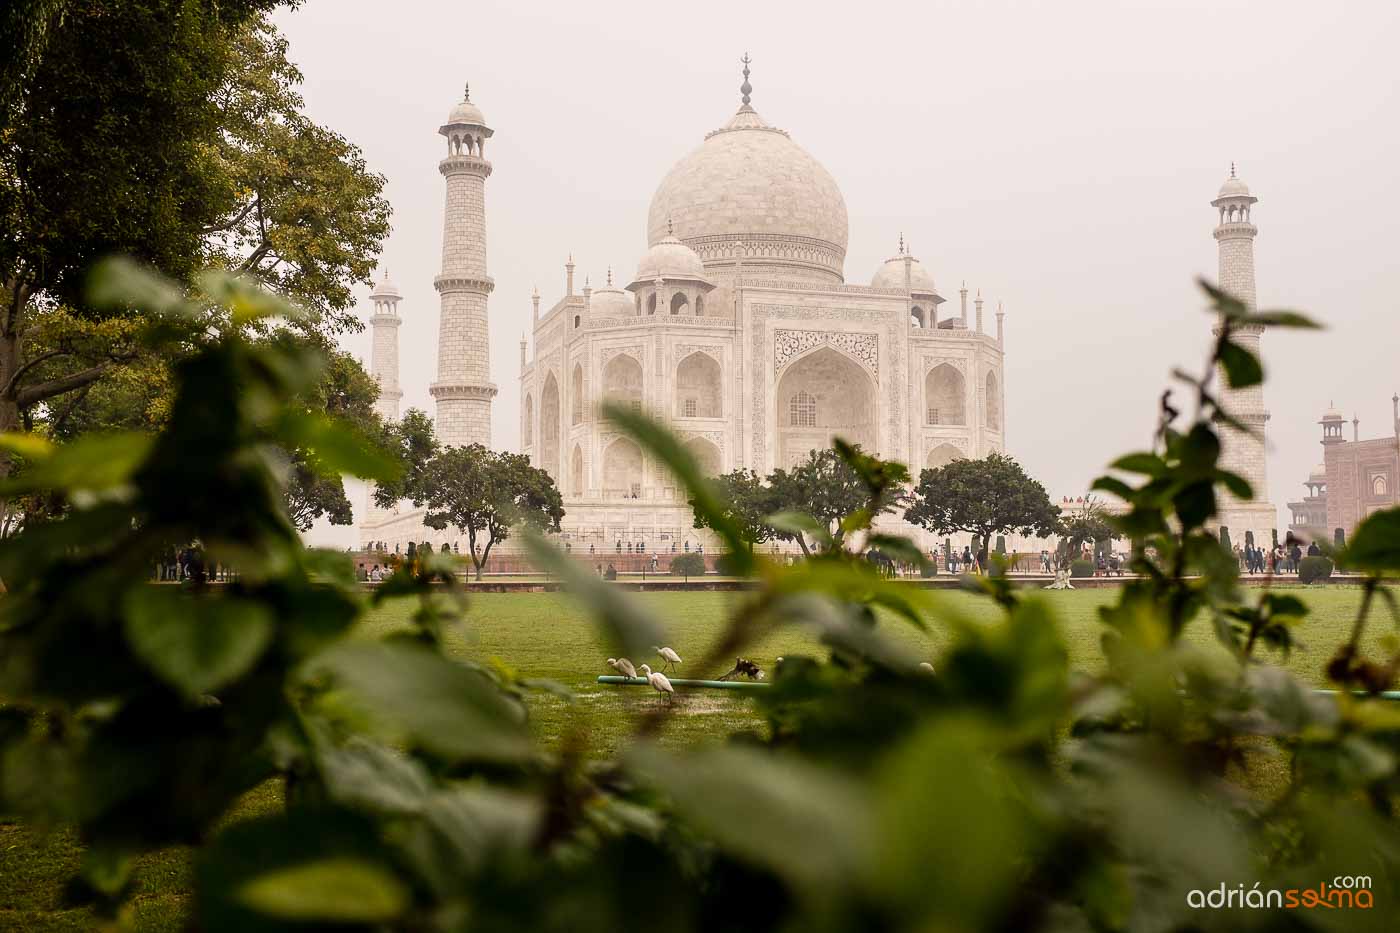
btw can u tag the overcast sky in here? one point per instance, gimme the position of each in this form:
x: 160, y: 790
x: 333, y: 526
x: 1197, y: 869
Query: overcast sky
x: 1060, y: 156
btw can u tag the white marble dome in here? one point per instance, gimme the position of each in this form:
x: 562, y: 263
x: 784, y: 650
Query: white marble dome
x: 466, y: 112
x: 1234, y: 187
x: 386, y: 289
x: 670, y: 259
x: 1318, y: 474
x: 610, y: 301
x: 891, y: 275
x: 750, y: 183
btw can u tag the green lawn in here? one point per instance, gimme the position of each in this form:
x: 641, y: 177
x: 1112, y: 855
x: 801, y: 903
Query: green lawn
x: 546, y: 635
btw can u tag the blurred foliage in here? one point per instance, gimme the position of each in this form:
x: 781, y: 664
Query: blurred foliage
x: 998, y: 791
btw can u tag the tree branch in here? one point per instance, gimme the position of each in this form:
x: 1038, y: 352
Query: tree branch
x: 14, y: 380
x: 236, y: 220
x: 45, y: 390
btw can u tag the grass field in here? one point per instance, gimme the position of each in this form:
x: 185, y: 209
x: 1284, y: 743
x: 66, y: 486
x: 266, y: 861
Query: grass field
x: 547, y: 635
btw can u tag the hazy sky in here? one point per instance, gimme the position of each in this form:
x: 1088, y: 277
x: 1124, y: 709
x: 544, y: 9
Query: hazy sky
x: 1059, y: 155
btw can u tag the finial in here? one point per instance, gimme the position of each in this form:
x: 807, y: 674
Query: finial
x: 571, y: 260
x: 467, y: 91
x: 585, y: 281
x: 1232, y: 169
x: 670, y: 227
x: 901, y: 242
x: 746, y: 89
x: 609, y: 276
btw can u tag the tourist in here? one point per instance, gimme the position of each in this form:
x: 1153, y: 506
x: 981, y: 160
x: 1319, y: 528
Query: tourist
x: 967, y: 559
x: 1044, y: 561
x: 1314, y: 550
x: 1295, y: 557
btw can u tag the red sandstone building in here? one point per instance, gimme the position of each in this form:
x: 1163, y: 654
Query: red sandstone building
x: 1356, y: 478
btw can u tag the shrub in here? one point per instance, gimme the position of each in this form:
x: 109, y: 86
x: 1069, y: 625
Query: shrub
x: 1081, y: 568
x: 1314, y: 569
x: 688, y: 565
x: 726, y: 566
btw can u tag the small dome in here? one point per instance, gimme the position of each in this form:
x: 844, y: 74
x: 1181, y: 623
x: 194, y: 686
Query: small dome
x: 1332, y: 414
x: 1234, y: 188
x: 670, y: 259
x: 386, y: 288
x: 612, y: 302
x: 1318, y: 474
x: 891, y: 275
x: 466, y: 112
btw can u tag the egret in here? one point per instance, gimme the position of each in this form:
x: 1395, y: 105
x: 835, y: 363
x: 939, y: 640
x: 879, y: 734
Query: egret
x: 659, y: 682
x: 667, y: 655
x: 623, y: 667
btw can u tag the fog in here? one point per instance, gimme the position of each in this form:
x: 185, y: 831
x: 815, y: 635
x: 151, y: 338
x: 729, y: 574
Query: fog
x: 1059, y: 156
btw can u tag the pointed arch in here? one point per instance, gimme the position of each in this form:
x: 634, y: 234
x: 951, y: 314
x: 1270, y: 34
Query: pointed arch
x: 528, y: 431
x: 699, y: 387
x: 622, y: 470
x: 549, y: 426
x: 822, y: 395
x: 942, y: 455
x: 992, y: 417
x: 945, y: 396
x: 706, y: 454
x: 622, y: 381
x: 576, y: 472
x: 679, y: 303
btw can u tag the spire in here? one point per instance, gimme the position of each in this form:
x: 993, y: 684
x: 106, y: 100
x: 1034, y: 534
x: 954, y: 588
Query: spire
x: 746, y: 89
x: 901, y: 242
x: 1232, y: 169
x: 609, y: 276
x: 569, y: 275
x: 466, y: 90
x: 670, y: 227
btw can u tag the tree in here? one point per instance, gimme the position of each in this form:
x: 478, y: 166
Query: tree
x: 688, y: 565
x: 983, y: 497
x: 828, y: 487
x: 413, y: 444
x: 483, y: 494
x: 1089, y: 524
x: 748, y: 503
x: 168, y: 131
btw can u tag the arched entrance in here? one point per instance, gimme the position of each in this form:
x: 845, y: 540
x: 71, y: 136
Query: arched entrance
x: 942, y: 455
x: 576, y: 472
x: 706, y: 455
x: 993, y: 418
x: 698, y: 384
x: 945, y: 396
x: 622, y: 381
x: 549, y: 427
x: 622, y: 470
x: 824, y: 394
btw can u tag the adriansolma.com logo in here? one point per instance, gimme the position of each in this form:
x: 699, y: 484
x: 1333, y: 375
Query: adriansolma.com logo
x: 1342, y: 893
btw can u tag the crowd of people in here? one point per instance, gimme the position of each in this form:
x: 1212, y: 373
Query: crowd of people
x: 1281, y: 558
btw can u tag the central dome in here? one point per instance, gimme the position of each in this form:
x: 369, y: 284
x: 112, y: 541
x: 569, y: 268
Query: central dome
x: 750, y: 184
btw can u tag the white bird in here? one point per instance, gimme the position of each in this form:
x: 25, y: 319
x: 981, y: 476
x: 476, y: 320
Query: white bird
x: 623, y: 667
x: 667, y: 655
x: 659, y: 682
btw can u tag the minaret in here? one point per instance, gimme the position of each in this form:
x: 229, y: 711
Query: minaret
x: 963, y: 292
x: 384, y: 350
x: 463, y: 389
x: 1001, y: 325
x: 978, y: 303
x: 1242, y: 453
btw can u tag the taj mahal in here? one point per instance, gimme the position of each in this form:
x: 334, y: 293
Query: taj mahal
x: 738, y: 328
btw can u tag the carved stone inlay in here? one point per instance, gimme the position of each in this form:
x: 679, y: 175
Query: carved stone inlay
x: 790, y: 343
x: 685, y: 349
x: 933, y: 362
x: 609, y: 352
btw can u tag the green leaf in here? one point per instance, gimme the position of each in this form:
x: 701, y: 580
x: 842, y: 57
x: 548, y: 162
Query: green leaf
x: 93, y: 462
x: 805, y: 823
x: 196, y: 643
x: 1242, y: 368
x: 335, y: 889
x: 27, y: 444
x: 628, y: 628
x: 336, y: 447
x: 455, y: 711
x: 800, y: 523
x: 1294, y: 319
x: 1149, y: 464
x: 120, y: 283
x: 1375, y: 544
x: 1237, y: 485
x: 666, y: 447
x: 1223, y: 302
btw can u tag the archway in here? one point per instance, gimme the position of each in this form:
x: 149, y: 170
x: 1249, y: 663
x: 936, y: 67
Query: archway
x: 529, y: 430
x: 549, y: 426
x: 993, y: 418
x: 706, y: 455
x: 576, y: 472
x: 622, y: 381
x: 622, y: 470
x: 942, y: 455
x: 945, y: 395
x: 698, y: 383
x: 823, y: 395
x: 576, y: 393
x: 679, y: 303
